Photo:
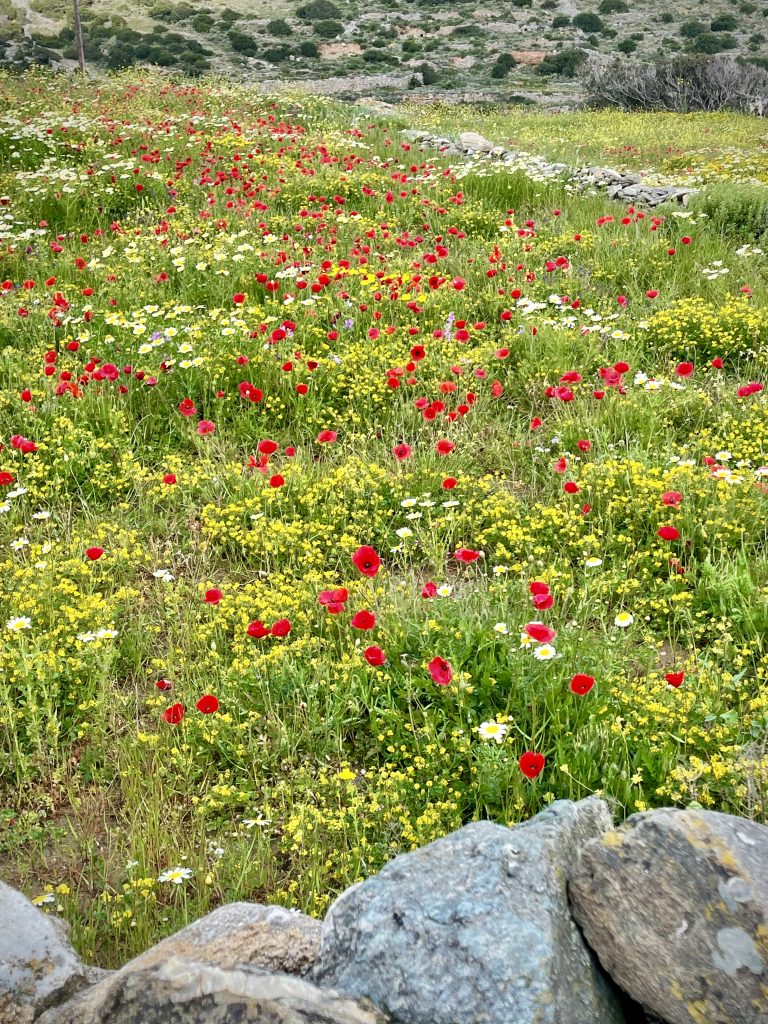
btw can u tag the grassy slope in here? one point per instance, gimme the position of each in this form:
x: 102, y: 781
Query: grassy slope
x: 318, y: 767
x: 463, y: 60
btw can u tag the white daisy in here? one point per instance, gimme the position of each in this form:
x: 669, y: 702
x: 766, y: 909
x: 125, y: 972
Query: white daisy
x: 546, y: 652
x: 175, y: 875
x: 493, y: 731
x: 18, y: 623
x: 624, y: 619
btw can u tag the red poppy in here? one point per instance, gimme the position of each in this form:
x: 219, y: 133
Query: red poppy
x: 466, y: 555
x: 540, y: 633
x: 531, y: 764
x: 537, y: 587
x: 281, y: 628
x: 717, y: 362
x: 363, y: 620
x: 672, y: 498
x: 561, y: 465
x: 584, y: 445
x: 366, y: 561
x: 441, y: 671
x: 163, y: 685
x: 206, y: 427
x: 94, y: 554
x: 444, y: 447
x: 6, y: 479
x: 449, y: 483
x: 174, y: 714
x: 213, y: 596
x: 169, y: 478
x: 582, y: 683
x: 675, y: 678
x: 668, y: 533
x: 327, y: 436
x: 267, y: 447
x: 257, y: 629
x: 684, y: 369
x: 570, y: 487
x: 543, y: 601
x: 374, y: 656
x: 207, y: 704
x: 187, y: 407
x: 339, y: 596
x: 238, y: 298
x: 429, y: 590
x: 402, y: 451
x: 276, y: 480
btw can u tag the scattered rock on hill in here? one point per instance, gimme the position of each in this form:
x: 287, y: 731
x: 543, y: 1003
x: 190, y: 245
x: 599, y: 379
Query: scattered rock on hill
x: 474, y: 927
x: 675, y: 903
x: 475, y: 142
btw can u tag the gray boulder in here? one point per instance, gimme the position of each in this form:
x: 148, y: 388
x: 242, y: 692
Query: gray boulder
x: 188, y: 992
x: 38, y: 966
x: 474, y: 928
x: 675, y: 903
x: 242, y: 933
x: 475, y: 142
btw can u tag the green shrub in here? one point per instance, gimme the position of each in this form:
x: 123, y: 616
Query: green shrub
x: 429, y: 74
x: 279, y: 27
x: 613, y: 7
x: 724, y: 23
x: 709, y: 42
x: 276, y: 54
x: 309, y: 49
x: 564, y: 63
x: 162, y: 12
x: 691, y: 29
x: 627, y: 46
x: 666, y: 18
x: 318, y: 10
x: 202, y: 22
x: 561, y: 21
x: 242, y: 43
x: 588, y: 22
x: 328, y: 29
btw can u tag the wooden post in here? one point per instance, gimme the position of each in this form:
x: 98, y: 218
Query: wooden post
x: 79, y: 35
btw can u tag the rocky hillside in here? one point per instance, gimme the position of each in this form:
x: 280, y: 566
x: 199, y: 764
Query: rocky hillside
x: 524, y: 48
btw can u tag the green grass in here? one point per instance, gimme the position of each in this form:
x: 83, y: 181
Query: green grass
x: 318, y: 766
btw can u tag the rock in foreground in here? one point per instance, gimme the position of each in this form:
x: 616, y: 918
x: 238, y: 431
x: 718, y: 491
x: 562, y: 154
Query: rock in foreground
x: 38, y: 966
x: 474, y: 928
x: 675, y: 903
x: 186, y: 992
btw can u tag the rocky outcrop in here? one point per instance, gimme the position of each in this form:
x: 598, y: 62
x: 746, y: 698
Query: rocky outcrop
x: 621, y: 185
x: 559, y: 920
x: 675, y: 903
x: 474, y: 927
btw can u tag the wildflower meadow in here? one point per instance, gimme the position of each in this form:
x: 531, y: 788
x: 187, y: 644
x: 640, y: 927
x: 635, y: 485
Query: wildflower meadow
x: 350, y: 492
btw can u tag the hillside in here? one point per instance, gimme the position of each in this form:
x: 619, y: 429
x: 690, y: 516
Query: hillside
x: 527, y: 48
